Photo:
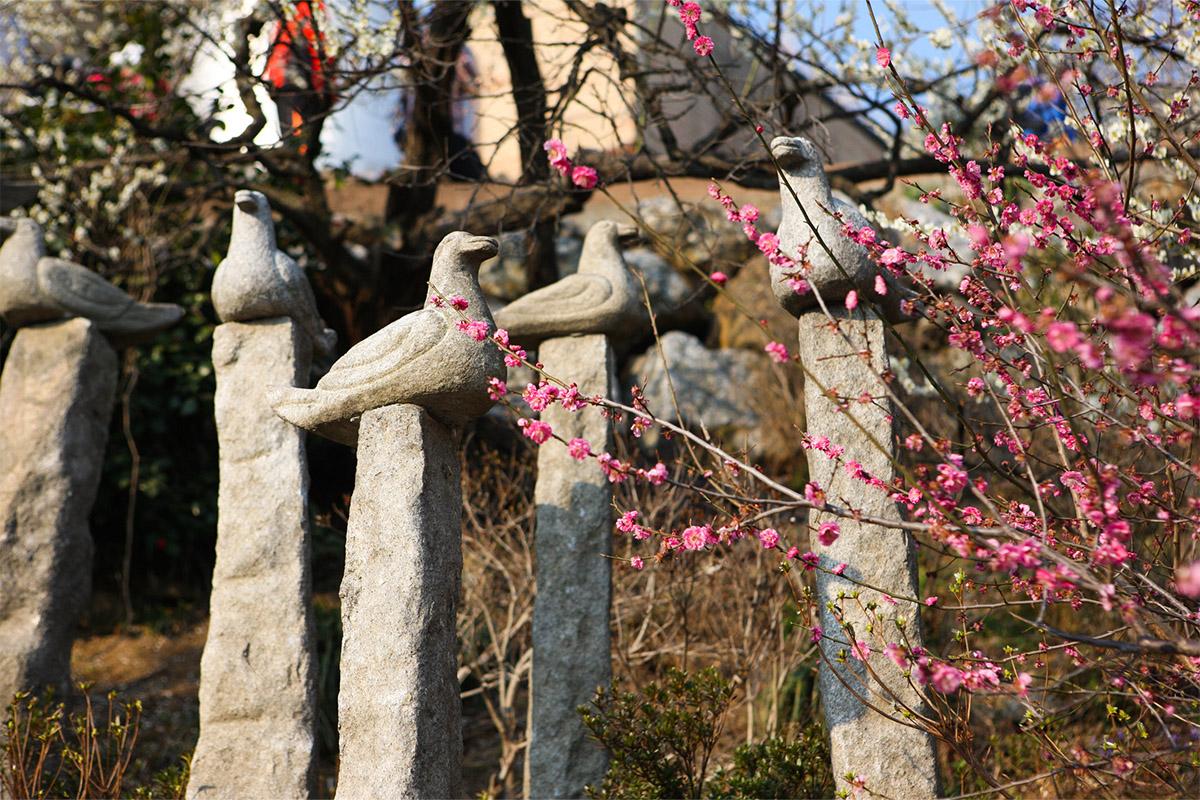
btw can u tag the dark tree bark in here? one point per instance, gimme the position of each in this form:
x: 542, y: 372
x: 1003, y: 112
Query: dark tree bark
x: 435, y: 44
x: 529, y: 94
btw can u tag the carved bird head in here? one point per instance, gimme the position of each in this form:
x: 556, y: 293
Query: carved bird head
x: 249, y: 201
x: 472, y: 250
x: 252, y: 225
x: 22, y: 227
x: 797, y: 156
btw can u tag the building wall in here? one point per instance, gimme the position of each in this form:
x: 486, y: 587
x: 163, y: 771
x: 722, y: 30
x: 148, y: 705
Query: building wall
x: 599, y: 117
x: 602, y: 114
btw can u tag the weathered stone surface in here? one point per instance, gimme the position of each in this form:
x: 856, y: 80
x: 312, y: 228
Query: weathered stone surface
x: 257, y: 696
x: 56, y: 397
x: 422, y: 358
x: 602, y: 297
x: 710, y: 385
x: 802, y: 164
x: 895, y: 760
x: 37, y: 288
x: 571, y: 640
x: 399, y: 714
x: 257, y: 280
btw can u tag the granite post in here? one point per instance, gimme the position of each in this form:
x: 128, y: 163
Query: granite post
x: 257, y: 695
x: 571, y: 638
x: 56, y: 397
x: 399, y: 712
x: 895, y: 760
x: 402, y: 395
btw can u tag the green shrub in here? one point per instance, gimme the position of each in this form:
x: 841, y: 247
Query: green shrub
x: 662, y: 743
x: 778, y: 767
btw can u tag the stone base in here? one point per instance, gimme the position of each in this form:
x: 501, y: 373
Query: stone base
x: 56, y: 399
x: 257, y: 695
x: 571, y: 640
x: 895, y: 760
x: 399, y: 712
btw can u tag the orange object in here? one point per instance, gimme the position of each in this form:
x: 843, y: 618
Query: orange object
x: 296, y: 63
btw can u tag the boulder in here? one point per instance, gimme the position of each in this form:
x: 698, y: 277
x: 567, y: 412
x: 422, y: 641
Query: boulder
x: 712, y: 386
x: 696, y: 232
x: 675, y: 298
x: 740, y: 396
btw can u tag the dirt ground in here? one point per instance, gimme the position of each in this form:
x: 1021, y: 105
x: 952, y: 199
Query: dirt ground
x: 160, y: 668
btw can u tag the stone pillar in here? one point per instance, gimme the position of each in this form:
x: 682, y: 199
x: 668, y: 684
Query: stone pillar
x: 894, y: 759
x: 257, y: 693
x: 56, y: 398
x: 399, y: 712
x: 571, y: 641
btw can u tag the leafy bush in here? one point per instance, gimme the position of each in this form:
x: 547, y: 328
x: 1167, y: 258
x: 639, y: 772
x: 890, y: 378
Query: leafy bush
x: 662, y: 742
x: 778, y: 767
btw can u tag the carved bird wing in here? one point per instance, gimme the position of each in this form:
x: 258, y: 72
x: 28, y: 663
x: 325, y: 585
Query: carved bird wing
x: 81, y: 291
x: 297, y: 284
x: 387, y: 350
x: 564, y: 301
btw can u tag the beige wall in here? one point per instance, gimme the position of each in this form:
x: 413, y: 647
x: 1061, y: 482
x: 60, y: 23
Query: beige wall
x: 601, y: 114
x: 598, y: 117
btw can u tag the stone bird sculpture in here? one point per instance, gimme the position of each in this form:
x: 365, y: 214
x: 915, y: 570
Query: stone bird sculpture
x: 602, y: 297
x: 37, y: 288
x: 800, y: 162
x: 421, y: 358
x: 257, y: 280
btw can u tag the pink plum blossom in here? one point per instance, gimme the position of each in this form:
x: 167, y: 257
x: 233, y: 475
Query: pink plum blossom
x: 535, y: 429
x: 584, y: 177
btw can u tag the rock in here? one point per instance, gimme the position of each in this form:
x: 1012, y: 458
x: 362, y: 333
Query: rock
x: 930, y: 217
x: 399, y: 713
x: 257, y: 696
x: 676, y: 300
x: 568, y: 247
x: 894, y: 759
x: 697, y: 233
x: 711, y: 385
x: 571, y: 639
x: 56, y: 398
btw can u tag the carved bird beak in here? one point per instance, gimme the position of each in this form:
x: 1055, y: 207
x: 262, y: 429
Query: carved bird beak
x: 485, y: 246
x: 246, y: 200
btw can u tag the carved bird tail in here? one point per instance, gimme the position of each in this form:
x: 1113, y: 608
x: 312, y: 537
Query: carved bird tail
x: 141, y: 319
x: 317, y: 411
